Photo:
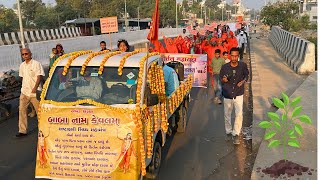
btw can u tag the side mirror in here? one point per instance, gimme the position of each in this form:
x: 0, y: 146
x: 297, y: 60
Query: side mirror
x: 152, y: 99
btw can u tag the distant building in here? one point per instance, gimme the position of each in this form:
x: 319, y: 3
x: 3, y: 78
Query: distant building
x: 91, y: 26
x: 310, y: 8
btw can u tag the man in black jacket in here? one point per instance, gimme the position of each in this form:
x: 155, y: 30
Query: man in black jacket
x: 233, y: 75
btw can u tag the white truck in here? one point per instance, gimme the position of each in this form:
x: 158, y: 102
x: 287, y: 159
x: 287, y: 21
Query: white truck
x: 104, y: 115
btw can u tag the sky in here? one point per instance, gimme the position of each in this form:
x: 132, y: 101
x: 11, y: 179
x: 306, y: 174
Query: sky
x: 252, y: 4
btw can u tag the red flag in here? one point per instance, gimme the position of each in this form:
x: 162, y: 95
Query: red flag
x: 154, y: 28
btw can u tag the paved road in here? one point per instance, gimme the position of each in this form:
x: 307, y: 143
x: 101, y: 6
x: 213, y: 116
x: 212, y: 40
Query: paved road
x: 202, y: 152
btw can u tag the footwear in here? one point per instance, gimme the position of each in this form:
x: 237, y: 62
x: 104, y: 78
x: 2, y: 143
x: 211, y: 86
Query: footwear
x: 32, y: 114
x: 216, y: 99
x: 228, y: 137
x: 236, y: 139
x: 20, y: 135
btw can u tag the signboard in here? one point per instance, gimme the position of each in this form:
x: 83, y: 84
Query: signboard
x: 194, y: 32
x: 202, y: 32
x: 87, y: 143
x: 214, y: 25
x: 238, y: 26
x: 195, y: 64
x: 109, y: 24
x: 207, y: 27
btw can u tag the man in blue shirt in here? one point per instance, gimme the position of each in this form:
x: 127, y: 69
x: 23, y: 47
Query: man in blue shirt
x: 171, y: 80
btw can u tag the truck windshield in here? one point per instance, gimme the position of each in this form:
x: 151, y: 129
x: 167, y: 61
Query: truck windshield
x: 108, y: 88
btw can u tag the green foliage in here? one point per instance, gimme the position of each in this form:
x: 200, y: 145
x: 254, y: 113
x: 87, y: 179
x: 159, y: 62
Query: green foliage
x: 295, y: 101
x: 313, y: 26
x: 278, y: 103
x: 280, y: 14
x: 305, y: 119
x: 286, y: 129
x: 8, y: 20
x: 269, y: 135
x: 293, y: 143
x: 273, y: 116
x: 265, y: 124
x: 274, y: 143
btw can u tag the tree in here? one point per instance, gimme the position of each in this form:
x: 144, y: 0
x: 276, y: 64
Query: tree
x: 280, y: 14
x: 65, y: 11
x: 29, y: 8
x: 46, y: 18
x: 8, y: 20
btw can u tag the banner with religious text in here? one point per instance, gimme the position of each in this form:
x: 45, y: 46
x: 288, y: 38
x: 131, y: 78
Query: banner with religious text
x: 195, y: 64
x: 87, y: 143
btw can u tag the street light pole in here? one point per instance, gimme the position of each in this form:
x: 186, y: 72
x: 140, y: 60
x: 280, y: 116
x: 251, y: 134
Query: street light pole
x: 222, y: 13
x: 139, y: 18
x: 20, y: 24
x: 176, y: 15
x: 205, y: 15
x: 125, y: 15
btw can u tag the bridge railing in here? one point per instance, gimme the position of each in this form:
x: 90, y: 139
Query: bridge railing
x: 10, y: 57
x: 299, y: 53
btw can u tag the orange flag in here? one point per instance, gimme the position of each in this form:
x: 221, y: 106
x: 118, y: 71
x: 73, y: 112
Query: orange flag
x: 154, y: 28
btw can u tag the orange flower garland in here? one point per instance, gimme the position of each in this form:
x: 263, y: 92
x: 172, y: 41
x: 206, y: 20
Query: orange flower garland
x: 73, y: 57
x: 123, y: 60
x: 140, y: 76
x: 155, y: 118
x: 138, y: 123
x: 149, y: 135
x: 105, y: 59
x: 92, y: 55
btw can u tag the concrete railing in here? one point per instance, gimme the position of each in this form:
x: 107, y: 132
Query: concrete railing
x: 298, y: 52
x: 10, y: 54
x: 39, y: 35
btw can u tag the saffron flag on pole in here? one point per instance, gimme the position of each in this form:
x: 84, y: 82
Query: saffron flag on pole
x: 154, y: 28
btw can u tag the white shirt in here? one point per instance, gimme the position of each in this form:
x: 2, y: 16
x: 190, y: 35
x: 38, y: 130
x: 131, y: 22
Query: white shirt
x: 92, y: 89
x: 241, y: 39
x: 29, y: 72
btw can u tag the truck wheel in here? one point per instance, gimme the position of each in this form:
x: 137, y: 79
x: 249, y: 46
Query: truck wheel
x: 154, y: 167
x: 182, y: 120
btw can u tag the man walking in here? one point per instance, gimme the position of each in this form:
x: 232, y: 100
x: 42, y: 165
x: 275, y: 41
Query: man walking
x: 233, y: 75
x: 242, y: 43
x: 216, y: 65
x: 31, y: 73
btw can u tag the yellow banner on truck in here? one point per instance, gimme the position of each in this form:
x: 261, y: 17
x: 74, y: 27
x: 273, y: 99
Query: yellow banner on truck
x: 87, y: 143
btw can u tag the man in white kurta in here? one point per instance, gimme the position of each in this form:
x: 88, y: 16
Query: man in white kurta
x: 31, y: 72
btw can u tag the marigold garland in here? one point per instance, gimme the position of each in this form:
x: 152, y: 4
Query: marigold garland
x: 123, y: 60
x: 138, y: 123
x: 89, y: 58
x: 156, y: 118
x: 149, y: 134
x: 73, y: 57
x: 140, y: 76
x: 105, y: 59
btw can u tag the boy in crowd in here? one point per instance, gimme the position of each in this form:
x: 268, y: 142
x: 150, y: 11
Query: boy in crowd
x: 217, y: 63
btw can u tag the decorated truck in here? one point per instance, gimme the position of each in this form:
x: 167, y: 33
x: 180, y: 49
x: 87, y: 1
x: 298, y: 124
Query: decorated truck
x: 105, y: 115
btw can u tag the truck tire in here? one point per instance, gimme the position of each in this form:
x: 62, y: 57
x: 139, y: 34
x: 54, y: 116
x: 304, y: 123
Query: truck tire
x: 154, y: 167
x: 182, y: 123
